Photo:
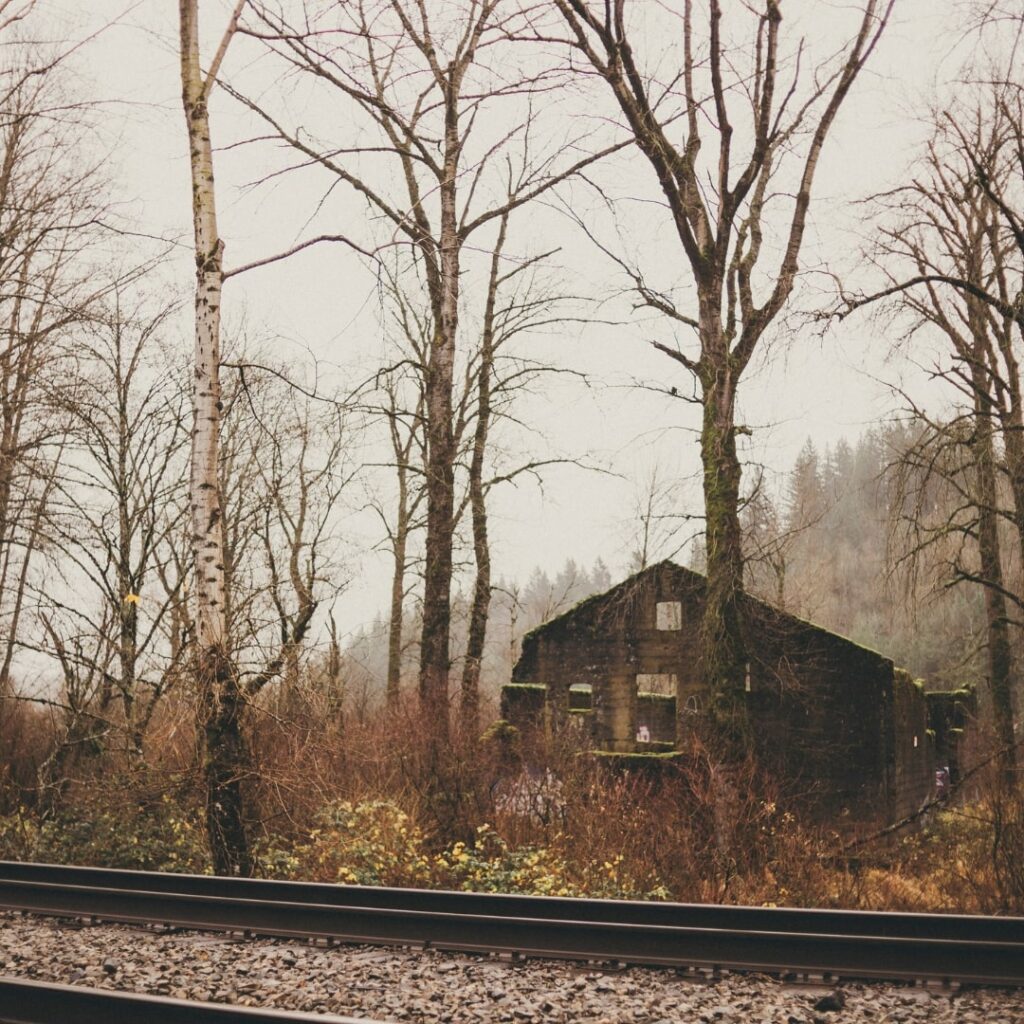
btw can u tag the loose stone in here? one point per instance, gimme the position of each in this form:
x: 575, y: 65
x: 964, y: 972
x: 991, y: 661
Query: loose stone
x: 430, y: 988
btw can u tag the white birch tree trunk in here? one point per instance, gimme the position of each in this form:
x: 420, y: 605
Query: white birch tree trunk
x: 221, y: 700
x: 204, y: 493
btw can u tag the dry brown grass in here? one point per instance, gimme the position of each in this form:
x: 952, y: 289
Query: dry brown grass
x: 526, y: 811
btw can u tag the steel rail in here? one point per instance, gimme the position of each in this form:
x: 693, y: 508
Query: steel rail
x: 957, y: 927
x: 36, y: 1002
x: 839, y: 943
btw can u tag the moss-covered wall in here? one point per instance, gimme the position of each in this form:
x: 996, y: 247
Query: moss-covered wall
x: 524, y: 705
x: 951, y: 719
x: 820, y: 706
x: 912, y: 761
x: 604, y: 643
x: 652, y: 766
x: 828, y: 713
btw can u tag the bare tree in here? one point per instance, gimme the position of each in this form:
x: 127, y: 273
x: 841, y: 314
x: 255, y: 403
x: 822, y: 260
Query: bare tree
x: 219, y: 686
x: 406, y: 435
x: 655, y: 524
x: 491, y: 376
x: 766, y: 546
x: 282, y: 469
x: 302, y: 474
x: 516, y: 302
x: 425, y: 80
x: 398, y: 400
x: 114, y: 518
x: 469, y: 705
x: 953, y: 222
x: 51, y: 204
x: 724, y: 211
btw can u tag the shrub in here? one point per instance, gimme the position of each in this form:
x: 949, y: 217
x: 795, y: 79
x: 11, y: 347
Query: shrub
x: 370, y: 843
x: 157, y: 836
x: 376, y: 843
x: 968, y: 858
x: 491, y: 865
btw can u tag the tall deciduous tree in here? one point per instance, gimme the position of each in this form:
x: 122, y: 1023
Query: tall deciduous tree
x: 426, y: 79
x: 221, y: 701
x: 398, y: 400
x: 115, y: 517
x: 405, y: 431
x: 726, y: 212
x: 515, y: 302
x: 52, y: 199
x: 952, y: 248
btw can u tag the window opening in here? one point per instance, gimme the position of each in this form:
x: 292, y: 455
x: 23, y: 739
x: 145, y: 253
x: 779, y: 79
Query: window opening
x: 669, y: 615
x: 656, y: 682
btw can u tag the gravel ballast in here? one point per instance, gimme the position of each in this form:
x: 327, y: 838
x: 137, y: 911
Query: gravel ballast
x: 393, y: 985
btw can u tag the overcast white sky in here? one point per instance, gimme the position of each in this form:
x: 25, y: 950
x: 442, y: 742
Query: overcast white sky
x: 322, y: 302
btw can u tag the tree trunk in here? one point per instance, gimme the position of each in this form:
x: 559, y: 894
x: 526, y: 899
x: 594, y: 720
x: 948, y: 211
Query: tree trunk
x: 470, y: 703
x: 18, y: 365
x: 1013, y: 453
x: 1000, y: 654
x: 440, y: 468
x: 127, y: 656
x: 396, y: 622
x: 20, y: 585
x: 226, y: 766
x: 127, y: 586
x: 335, y: 685
x: 408, y: 506
x: 470, y: 706
x: 723, y: 655
x: 437, y: 581
x: 1007, y: 402
x: 221, y: 701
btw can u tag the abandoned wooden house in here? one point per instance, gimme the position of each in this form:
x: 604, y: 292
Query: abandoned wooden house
x: 841, y: 723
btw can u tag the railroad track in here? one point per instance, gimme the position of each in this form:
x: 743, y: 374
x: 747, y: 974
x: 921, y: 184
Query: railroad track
x: 35, y: 1002
x: 830, y: 943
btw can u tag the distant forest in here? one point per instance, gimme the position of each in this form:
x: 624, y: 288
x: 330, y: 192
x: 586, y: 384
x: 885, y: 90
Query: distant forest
x: 835, y: 548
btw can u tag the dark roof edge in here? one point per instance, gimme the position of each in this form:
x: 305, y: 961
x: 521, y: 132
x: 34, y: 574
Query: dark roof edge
x: 701, y: 578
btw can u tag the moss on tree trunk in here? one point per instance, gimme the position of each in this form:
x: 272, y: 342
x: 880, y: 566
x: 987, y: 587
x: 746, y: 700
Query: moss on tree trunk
x: 723, y: 654
x: 227, y: 764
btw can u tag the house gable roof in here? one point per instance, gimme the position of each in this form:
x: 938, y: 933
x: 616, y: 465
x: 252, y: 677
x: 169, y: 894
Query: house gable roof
x: 688, y: 578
